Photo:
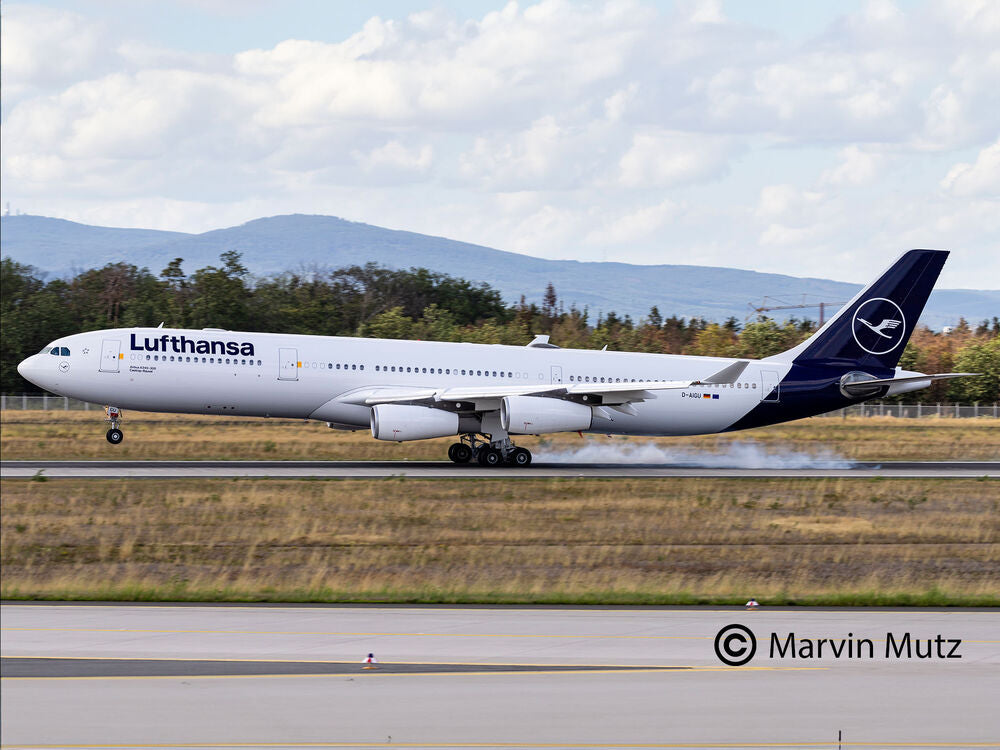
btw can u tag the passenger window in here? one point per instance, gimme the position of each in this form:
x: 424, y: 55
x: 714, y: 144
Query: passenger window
x: 147, y: 358
x: 754, y: 386
x: 479, y: 373
x: 361, y: 367
x: 354, y: 367
x: 448, y: 371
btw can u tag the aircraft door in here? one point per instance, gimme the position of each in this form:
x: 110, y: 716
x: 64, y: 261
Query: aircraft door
x: 110, y: 355
x: 556, y: 374
x: 770, y: 386
x: 288, y: 364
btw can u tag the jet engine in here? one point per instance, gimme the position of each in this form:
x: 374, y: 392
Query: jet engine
x: 407, y: 422
x: 534, y: 415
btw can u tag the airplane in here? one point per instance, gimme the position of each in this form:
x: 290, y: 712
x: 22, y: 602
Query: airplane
x: 484, y: 394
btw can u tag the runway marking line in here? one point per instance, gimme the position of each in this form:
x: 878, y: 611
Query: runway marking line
x: 375, y: 674
x: 342, y: 661
x: 360, y: 634
x: 512, y: 745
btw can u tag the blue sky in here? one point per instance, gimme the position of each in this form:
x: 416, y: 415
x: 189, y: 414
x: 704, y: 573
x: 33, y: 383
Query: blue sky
x: 815, y: 139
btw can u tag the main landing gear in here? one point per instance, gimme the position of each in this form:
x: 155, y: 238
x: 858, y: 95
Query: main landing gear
x: 114, y: 435
x: 486, y: 453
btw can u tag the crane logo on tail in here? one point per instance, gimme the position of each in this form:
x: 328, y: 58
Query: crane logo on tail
x: 890, y: 324
x: 879, y: 325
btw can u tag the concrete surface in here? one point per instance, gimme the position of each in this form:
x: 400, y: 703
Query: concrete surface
x: 875, y: 702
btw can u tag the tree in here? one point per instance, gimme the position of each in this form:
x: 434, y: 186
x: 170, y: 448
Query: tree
x: 983, y: 358
x: 715, y: 341
x: 220, y: 296
x: 550, y: 302
x: 32, y: 313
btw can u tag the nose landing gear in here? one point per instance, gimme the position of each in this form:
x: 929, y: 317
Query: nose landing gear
x: 114, y: 434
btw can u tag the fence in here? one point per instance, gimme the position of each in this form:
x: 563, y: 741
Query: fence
x: 913, y: 411
x: 46, y: 401
x: 22, y: 401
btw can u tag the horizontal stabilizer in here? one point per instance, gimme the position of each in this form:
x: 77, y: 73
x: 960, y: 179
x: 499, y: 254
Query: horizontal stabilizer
x: 863, y: 386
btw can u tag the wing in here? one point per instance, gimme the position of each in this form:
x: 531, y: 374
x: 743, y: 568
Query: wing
x: 488, y: 397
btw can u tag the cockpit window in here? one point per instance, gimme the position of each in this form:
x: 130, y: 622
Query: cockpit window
x: 64, y: 351
x: 55, y: 351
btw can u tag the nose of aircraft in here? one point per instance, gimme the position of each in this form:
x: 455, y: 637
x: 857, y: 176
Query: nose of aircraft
x: 28, y: 367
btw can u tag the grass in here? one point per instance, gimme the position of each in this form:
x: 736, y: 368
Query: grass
x: 641, y: 541
x: 80, y: 435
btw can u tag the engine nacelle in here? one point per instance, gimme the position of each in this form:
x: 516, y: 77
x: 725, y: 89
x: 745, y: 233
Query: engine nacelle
x: 401, y: 422
x: 535, y: 415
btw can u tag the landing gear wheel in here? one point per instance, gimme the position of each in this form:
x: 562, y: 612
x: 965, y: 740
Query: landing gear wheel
x: 460, y: 453
x: 114, y: 436
x: 520, y: 457
x: 489, y: 456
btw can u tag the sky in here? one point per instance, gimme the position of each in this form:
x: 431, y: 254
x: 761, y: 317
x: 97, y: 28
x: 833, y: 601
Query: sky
x: 813, y: 139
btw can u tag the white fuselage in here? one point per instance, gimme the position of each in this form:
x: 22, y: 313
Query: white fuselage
x: 312, y: 377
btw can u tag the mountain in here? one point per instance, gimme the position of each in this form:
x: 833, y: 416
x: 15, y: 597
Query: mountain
x: 293, y: 242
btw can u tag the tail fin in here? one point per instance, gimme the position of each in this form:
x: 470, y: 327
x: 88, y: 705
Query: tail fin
x: 872, y: 329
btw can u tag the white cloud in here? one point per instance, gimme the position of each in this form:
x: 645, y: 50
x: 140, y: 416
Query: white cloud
x: 856, y: 167
x: 633, y: 226
x: 664, y: 158
x: 393, y: 156
x: 981, y: 178
x: 555, y: 128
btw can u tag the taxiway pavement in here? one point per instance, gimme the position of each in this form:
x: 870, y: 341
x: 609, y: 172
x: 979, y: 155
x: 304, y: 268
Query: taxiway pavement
x: 445, y: 469
x: 288, y: 676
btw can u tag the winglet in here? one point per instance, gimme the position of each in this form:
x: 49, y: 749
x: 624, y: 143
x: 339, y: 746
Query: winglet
x: 728, y: 374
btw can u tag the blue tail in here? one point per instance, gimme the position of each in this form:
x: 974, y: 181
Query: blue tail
x: 871, y: 331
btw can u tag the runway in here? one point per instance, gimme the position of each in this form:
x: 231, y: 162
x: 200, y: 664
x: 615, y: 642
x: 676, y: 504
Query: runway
x: 446, y: 469
x: 459, y: 677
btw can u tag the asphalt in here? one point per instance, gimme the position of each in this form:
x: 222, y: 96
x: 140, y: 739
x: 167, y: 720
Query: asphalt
x: 54, y: 666
x: 165, y: 675
x: 445, y: 469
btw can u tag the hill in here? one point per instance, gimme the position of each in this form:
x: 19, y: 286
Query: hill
x: 291, y: 242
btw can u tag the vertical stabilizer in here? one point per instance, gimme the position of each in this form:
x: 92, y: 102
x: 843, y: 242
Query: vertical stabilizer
x: 872, y: 329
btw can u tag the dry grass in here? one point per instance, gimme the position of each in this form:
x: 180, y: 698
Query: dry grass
x: 80, y: 435
x: 643, y: 540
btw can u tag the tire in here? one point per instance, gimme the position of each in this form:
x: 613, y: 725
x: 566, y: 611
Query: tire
x: 490, y: 457
x: 115, y: 436
x: 460, y: 453
x: 521, y: 457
